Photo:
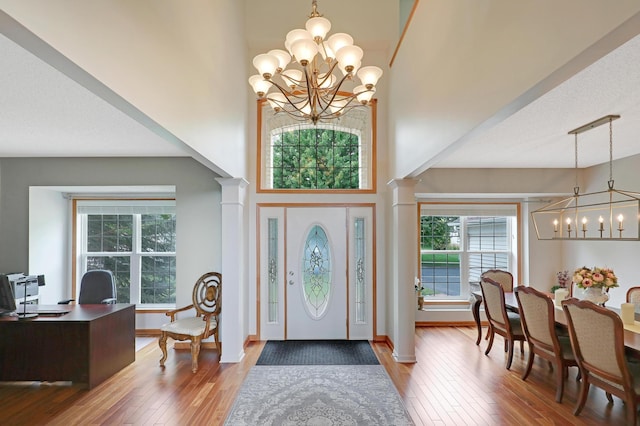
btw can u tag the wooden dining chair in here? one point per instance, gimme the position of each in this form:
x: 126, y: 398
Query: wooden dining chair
x: 597, y: 339
x: 504, y: 278
x: 539, y: 326
x: 633, y: 296
x: 505, y: 323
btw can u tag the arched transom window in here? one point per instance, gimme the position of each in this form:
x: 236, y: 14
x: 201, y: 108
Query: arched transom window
x: 330, y: 156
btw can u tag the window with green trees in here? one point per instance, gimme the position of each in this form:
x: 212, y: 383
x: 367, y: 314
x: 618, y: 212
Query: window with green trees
x: 455, y: 250
x: 138, y: 248
x: 336, y: 155
x: 315, y: 158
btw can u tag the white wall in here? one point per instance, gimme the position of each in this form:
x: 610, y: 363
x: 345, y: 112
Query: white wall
x: 198, y: 220
x: 49, y: 239
x: 163, y: 57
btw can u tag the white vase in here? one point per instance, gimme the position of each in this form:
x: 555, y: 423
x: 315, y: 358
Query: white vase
x: 595, y: 295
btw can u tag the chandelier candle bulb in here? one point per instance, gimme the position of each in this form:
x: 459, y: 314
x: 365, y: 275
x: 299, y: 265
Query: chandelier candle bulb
x: 601, y: 221
x: 584, y: 223
x: 555, y: 225
x: 620, y: 218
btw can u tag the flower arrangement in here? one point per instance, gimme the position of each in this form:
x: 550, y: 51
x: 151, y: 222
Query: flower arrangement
x: 596, y: 277
x: 564, y: 279
x: 418, y: 286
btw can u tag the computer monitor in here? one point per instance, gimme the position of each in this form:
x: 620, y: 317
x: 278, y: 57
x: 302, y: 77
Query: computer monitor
x: 7, y: 298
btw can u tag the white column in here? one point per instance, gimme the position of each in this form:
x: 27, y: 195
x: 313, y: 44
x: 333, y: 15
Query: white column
x: 234, y: 295
x: 404, y: 237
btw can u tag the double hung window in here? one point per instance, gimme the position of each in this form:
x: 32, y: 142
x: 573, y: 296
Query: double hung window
x: 136, y: 241
x: 459, y: 242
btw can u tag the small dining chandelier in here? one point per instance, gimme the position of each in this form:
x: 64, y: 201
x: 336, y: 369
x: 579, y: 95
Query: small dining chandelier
x: 303, y: 81
x: 610, y: 215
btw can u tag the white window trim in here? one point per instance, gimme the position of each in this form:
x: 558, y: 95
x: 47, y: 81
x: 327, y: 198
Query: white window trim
x: 115, y: 206
x: 509, y: 210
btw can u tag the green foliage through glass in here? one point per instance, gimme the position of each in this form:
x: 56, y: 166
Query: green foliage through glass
x: 315, y: 158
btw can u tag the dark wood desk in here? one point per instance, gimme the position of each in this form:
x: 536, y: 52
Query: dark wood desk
x: 87, y: 345
x: 631, y: 339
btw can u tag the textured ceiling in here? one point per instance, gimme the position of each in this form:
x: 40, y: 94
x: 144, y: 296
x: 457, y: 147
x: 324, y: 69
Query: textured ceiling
x: 537, y: 135
x: 46, y: 114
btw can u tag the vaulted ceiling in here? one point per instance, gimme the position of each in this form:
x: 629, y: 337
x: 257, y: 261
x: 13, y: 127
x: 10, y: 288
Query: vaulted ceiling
x: 482, y: 84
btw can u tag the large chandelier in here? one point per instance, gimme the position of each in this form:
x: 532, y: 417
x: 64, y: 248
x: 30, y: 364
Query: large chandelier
x: 609, y: 215
x: 303, y: 81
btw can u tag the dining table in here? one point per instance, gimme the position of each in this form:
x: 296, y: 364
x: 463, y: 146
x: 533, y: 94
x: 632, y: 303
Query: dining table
x: 631, y: 338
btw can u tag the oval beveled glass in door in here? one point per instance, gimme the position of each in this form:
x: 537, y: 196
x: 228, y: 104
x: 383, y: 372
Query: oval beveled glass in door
x: 316, y: 272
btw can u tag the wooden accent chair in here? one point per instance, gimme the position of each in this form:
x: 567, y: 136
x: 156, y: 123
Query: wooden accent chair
x: 503, y: 278
x: 633, y: 296
x: 206, y: 296
x: 538, y: 323
x: 502, y: 322
x: 597, y: 338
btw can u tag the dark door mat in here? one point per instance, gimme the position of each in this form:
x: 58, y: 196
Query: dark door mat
x: 317, y: 352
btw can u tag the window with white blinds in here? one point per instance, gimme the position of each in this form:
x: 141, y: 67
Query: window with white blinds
x: 460, y: 241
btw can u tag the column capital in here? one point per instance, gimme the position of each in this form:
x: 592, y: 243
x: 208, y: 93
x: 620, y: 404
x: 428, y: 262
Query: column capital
x: 233, y: 190
x: 403, y: 191
x: 230, y: 182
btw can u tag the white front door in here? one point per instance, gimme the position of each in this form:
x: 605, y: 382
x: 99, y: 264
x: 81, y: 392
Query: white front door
x: 316, y: 273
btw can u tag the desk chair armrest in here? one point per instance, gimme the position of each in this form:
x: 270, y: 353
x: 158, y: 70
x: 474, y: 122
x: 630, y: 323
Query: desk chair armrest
x: 110, y: 300
x: 66, y: 302
x: 172, y: 313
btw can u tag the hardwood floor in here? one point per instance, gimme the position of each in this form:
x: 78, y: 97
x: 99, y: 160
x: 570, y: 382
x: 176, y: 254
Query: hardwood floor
x: 453, y: 383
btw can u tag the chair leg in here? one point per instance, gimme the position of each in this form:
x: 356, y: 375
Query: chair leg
x: 195, y: 352
x: 490, y: 343
x: 632, y: 412
x: 218, y: 344
x: 609, y: 397
x: 582, y: 398
x: 527, y: 370
x: 510, y: 354
x: 560, y: 374
x: 162, y: 342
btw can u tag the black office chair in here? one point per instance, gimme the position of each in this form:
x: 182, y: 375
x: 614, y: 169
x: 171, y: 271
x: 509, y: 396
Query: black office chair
x: 96, y: 286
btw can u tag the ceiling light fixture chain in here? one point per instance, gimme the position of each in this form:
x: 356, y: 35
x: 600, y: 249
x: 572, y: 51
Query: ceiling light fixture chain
x: 607, y: 215
x: 576, y: 188
x: 301, y: 81
x: 610, y: 183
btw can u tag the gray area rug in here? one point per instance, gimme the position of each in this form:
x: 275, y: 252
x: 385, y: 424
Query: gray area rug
x: 318, y: 395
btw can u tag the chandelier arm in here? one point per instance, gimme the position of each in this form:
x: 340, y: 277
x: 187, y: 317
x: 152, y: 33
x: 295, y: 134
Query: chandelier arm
x: 334, y: 92
x: 287, y: 97
x: 311, y: 94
